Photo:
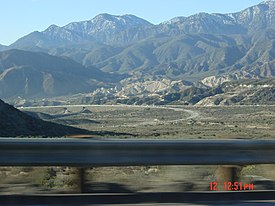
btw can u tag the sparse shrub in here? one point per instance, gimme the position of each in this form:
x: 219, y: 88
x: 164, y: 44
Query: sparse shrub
x: 49, y: 178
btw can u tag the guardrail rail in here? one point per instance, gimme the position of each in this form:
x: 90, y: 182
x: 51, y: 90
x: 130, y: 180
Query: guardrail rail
x: 96, y: 153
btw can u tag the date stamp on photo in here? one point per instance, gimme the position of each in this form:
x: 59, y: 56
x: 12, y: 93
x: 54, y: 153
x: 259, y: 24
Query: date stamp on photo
x: 230, y: 186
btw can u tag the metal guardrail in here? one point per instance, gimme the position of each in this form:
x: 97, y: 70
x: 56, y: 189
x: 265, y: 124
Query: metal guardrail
x: 91, y: 153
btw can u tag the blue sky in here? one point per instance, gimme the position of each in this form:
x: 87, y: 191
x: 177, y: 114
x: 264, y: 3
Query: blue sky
x: 20, y: 17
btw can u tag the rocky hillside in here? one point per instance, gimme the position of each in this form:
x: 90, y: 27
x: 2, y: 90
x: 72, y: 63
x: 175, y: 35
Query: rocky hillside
x: 189, y: 48
x: 238, y: 92
x: 126, y: 29
x: 164, y: 91
x: 16, y: 123
x: 243, y: 92
x: 115, y: 57
x: 2, y: 47
x: 33, y: 74
x: 103, y: 28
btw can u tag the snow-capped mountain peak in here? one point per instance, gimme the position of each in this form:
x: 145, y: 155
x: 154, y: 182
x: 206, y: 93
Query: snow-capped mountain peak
x: 106, y: 23
x: 127, y: 29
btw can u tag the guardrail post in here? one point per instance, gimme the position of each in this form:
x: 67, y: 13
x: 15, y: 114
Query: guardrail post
x: 81, y: 172
x: 225, y: 174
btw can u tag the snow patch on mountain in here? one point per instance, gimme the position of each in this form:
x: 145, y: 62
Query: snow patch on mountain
x: 106, y: 23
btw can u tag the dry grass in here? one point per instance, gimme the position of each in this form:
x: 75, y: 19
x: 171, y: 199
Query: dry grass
x: 247, y: 122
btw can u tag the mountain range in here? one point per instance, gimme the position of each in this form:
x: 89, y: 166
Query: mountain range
x: 128, y: 29
x: 37, y: 74
x: 2, y: 47
x: 108, y: 50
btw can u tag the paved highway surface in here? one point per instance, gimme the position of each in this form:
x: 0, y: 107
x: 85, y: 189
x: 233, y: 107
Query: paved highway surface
x: 187, y: 198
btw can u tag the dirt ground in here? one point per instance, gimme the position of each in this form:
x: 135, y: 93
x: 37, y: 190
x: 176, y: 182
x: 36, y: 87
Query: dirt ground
x: 169, y: 122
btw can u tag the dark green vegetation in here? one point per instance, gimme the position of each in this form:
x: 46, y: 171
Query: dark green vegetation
x: 171, y: 122
x: 205, y: 49
x: 196, y: 56
x: 202, y: 60
x: 16, y: 123
x: 42, y: 75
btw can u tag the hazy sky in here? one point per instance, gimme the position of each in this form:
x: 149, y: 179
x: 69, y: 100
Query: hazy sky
x: 20, y: 17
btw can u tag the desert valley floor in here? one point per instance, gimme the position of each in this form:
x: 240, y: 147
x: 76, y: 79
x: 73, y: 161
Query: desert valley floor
x: 148, y: 122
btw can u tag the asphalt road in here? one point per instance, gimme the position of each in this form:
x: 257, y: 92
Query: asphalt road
x: 192, y: 114
x: 187, y: 198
